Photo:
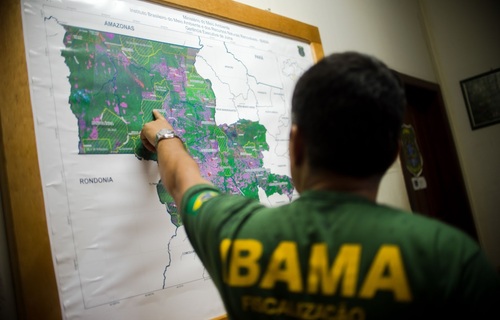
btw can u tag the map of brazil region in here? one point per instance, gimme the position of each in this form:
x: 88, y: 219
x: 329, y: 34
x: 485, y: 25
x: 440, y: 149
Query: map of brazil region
x: 116, y: 83
x: 117, y: 238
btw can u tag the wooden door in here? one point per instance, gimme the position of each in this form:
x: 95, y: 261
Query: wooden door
x: 431, y: 168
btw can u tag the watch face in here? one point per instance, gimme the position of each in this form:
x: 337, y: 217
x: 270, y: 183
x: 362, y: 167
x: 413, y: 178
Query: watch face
x: 164, y: 134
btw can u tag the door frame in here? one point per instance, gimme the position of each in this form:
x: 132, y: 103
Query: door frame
x: 445, y: 197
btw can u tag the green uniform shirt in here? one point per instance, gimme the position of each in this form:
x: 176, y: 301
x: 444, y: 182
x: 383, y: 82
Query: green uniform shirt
x: 335, y: 256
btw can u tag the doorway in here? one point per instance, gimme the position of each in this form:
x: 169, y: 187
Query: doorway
x: 429, y: 160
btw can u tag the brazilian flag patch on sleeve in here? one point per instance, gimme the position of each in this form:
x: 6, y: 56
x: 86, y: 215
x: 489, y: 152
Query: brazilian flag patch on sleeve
x: 195, y: 202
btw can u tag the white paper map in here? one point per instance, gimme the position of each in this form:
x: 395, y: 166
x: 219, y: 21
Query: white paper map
x: 97, y: 70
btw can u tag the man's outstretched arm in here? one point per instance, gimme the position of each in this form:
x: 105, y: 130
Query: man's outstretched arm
x: 178, y: 170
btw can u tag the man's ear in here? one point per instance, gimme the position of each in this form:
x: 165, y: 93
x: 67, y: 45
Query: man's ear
x: 297, y: 146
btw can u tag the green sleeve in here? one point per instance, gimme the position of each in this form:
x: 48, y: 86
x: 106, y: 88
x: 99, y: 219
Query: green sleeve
x: 209, y: 216
x: 196, y: 196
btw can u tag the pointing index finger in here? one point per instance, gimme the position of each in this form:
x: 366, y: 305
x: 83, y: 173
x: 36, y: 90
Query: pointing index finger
x: 157, y: 114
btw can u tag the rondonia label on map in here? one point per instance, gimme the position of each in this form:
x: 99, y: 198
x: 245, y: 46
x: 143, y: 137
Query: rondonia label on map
x: 97, y: 71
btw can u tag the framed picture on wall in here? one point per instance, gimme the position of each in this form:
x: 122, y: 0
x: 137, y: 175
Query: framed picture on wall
x: 482, y: 98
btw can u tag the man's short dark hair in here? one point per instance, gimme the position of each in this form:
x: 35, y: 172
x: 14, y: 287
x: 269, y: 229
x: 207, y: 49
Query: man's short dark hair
x: 349, y: 107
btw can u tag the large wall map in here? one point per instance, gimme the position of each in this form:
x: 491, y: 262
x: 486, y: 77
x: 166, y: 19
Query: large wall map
x: 98, y: 72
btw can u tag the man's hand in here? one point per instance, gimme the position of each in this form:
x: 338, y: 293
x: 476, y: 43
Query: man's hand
x: 178, y: 171
x: 150, y: 129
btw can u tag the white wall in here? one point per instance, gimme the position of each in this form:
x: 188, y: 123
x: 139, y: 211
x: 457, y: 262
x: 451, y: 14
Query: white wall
x: 465, y: 40
x: 441, y: 41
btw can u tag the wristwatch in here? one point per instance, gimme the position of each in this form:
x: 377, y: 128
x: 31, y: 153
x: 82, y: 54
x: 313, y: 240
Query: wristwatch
x: 164, y: 134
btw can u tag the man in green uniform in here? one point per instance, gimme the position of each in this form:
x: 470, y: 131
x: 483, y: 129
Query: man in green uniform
x: 333, y: 253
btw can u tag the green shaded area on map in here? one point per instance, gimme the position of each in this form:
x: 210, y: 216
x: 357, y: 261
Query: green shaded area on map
x: 116, y: 82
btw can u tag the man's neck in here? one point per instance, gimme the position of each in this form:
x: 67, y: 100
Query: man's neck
x: 364, y: 187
